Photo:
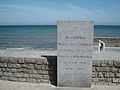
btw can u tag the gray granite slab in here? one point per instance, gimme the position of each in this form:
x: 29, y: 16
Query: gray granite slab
x: 74, y: 53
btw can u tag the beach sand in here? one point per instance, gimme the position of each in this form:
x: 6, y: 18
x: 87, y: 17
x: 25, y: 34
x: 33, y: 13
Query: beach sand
x: 111, y: 53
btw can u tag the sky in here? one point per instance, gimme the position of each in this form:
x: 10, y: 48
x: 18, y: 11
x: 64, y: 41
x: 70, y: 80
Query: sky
x: 47, y: 12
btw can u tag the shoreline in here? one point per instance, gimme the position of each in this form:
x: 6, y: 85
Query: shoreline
x: 109, y: 42
x: 110, y: 53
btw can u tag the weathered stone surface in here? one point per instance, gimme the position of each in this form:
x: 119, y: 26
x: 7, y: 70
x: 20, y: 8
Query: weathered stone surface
x: 20, y: 60
x: 101, y: 75
x: 109, y: 75
x: 46, y: 77
x: 39, y: 76
x: 13, y: 70
x: 13, y: 60
x: 115, y: 80
x: 10, y: 65
x: 117, y: 75
x: 30, y: 60
x: 7, y: 74
x: 31, y: 80
x: 113, y: 69
x: 29, y: 66
x: 32, y: 76
x: 21, y: 79
x: 31, y: 71
x: 17, y: 74
x: 12, y: 78
x: 45, y: 81
x: 75, y: 39
x: 3, y: 65
x: 39, y: 61
x: 38, y: 67
x: 24, y: 70
x: 25, y: 75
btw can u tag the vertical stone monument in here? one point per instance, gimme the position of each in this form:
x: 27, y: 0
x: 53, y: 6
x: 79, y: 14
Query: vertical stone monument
x: 74, y: 53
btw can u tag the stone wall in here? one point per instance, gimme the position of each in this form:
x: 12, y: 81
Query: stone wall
x: 44, y: 70
x: 106, y: 72
x: 35, y: 70
x: 109, y: 42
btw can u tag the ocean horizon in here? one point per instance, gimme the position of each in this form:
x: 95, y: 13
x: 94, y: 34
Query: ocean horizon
x: 43, y: 36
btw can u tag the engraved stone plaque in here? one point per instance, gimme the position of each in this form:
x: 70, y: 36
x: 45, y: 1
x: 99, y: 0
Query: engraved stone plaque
x: 74, y: 53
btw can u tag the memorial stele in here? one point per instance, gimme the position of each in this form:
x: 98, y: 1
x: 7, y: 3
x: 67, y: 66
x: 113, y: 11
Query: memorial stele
x: 74, y: 53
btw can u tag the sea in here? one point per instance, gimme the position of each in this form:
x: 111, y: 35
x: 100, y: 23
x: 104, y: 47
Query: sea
x: 43, y: 36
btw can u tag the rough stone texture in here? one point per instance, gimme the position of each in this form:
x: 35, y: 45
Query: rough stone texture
x: 108, y: 75
x: 35, y: 70
x: 74, y: 52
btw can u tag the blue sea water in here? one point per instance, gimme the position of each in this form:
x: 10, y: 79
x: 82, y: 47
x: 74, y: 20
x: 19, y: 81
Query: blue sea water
x: 43, y: 36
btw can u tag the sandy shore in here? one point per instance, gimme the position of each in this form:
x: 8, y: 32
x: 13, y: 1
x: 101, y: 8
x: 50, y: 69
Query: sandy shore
x: 109, y: 41
x: 111, y: 53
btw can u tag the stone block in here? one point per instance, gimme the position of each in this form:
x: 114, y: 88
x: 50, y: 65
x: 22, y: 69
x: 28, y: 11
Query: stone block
x: 2, y: 65
x: 21, y: 79
x: 10, y: 65
x: 45, y: 81
x: 3, y: 69
x: 32, y: 71
x: 117, y: 75
x: 96, y: 63
x: 39, y: 61
x: 113, y: 69
x: 101, y: 75
x: 31, y: 80
x: 95, y: 80
x: 12, y: 78
x: 29, y: 66
x: 46, y: 77
x: 13, y: 70
x: 42, y: 72
x: 102, y: 69
x: 8, y: 69
x: 38, y: 76
x: 43, y: 67
x: 115, y: 80
x: 2, y: 59
x: 116, y: 64
x: 45, y: 61
x: 7, y: 74
x: 20, y: 60
x: 47, y: 67
x: 38, y: 66
x: 25, y: 75
x: 74, y: 54
x: 29, y: 60
x: 24, y: 70
x: 38, y: 80
x: 109, y: 75
x: 103, y: 63
x: 94, y: 74
x: 110, y: 63
x: 32, y: 75
x: 17, y: 74
x: 4, y: 78
x: 12, y: 60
